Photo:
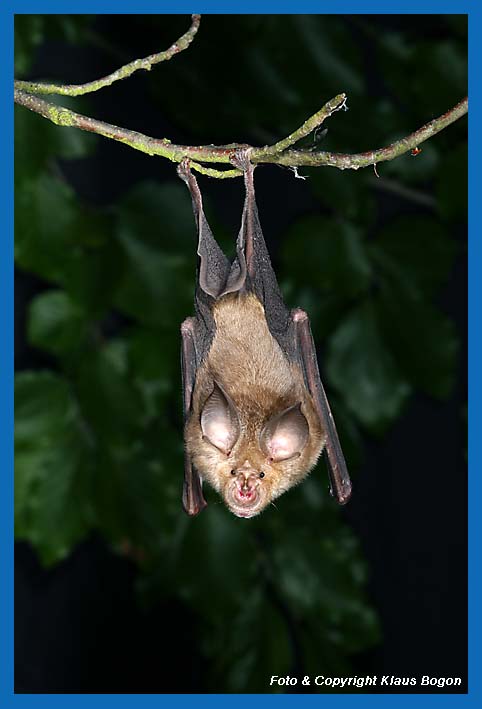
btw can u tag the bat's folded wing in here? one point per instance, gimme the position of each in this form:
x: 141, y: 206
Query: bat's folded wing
x: 192, y: 496
x: 339, y: 478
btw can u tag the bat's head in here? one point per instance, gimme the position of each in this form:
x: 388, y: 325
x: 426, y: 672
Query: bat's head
x: 251, y: 460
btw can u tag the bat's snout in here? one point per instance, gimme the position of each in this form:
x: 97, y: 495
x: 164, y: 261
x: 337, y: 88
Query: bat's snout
x: 246, y: 484
x: 245, y: 491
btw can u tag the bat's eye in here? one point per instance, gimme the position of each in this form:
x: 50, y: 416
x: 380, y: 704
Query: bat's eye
x: 233, y: 472
x: 261, y: 475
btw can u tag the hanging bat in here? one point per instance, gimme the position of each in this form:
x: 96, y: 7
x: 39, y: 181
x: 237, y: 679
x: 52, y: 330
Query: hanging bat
x: 256, y: 414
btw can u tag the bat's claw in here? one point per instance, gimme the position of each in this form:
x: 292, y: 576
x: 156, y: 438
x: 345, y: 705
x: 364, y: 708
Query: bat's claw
x: 184, y: 169
x: 240, y: 159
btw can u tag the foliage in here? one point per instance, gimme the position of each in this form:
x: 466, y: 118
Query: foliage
x: 98, y: 440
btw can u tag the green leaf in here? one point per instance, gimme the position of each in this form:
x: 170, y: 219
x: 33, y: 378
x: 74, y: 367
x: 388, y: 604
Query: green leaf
x: 296, y: 572
x: 441, y: 77
x: 215, y: 561
x: 160, y: 215
x: 69, y: 244
x: 412, y: 169
x: 154, y: 361
x: 325, y: 583
x: 258, y: 646
x: 158, y: 285
x: 270, y: 80
x: 416, y: 252
x: 38, y: 141
x: 29, y: 33
x: 423, y: 341
x: 361, y: 368
x: 108, y: 398
x: 437, y: 71
x: 324, y: 309
x: 136, y: 500
x: 154, y: 355
x: 93, y: 275
x: 32, y: 30
x: 328, y: 255
x: 414, y: 258
x: 56, y: 323
x: 45, y: 211
x: 344, y: 194
x: 52, y: 466
x: 337, y: 70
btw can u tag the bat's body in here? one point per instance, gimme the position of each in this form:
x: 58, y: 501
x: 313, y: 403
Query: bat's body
x: 256, y: 416
x: 260, y: 382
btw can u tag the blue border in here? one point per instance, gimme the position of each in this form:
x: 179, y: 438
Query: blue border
x: 7, y: 10
x: 337, y: 7
x: 6, y: 361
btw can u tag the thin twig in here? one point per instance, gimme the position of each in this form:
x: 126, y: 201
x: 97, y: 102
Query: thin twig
x: 219, y: 174
x: 122, y: 73
x: 371, y: 157
x: 62, y: 116
x: 308, y: 127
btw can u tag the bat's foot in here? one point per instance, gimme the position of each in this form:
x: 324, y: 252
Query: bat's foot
x: 184, y: 169
x: 241, y: 159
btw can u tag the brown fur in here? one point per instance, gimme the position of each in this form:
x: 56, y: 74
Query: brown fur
x: 250, y: 366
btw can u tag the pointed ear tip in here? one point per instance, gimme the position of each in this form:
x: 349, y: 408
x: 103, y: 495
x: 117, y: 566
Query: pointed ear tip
x: 296, y: 411
x: 219, y: 390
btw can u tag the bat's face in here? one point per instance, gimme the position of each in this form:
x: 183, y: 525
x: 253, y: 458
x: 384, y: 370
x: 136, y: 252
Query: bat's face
x: 250, y: 463
x: 246, y: 492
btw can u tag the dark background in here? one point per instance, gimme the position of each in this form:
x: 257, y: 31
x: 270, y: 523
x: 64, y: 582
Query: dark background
x: 115, y: 590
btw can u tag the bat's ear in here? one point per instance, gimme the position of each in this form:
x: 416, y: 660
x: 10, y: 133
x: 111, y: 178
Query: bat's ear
x: 285, y: 435
x: 219, y: 420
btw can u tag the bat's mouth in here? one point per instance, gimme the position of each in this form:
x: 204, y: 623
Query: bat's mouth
x: 244, y: 502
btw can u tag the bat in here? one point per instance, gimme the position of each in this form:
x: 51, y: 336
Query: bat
x: 256, y: 416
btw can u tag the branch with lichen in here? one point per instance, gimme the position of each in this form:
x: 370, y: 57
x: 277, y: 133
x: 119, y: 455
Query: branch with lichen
x: 163, y: 147
x: 280, y: 153
x: 122, y: 73
x: 308, y: 127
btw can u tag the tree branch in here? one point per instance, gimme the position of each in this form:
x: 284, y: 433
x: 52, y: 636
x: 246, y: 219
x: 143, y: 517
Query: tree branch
x: 163, y: 147
x: 308, y: 126
x: 372, y: 157
x: 122, y: 73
